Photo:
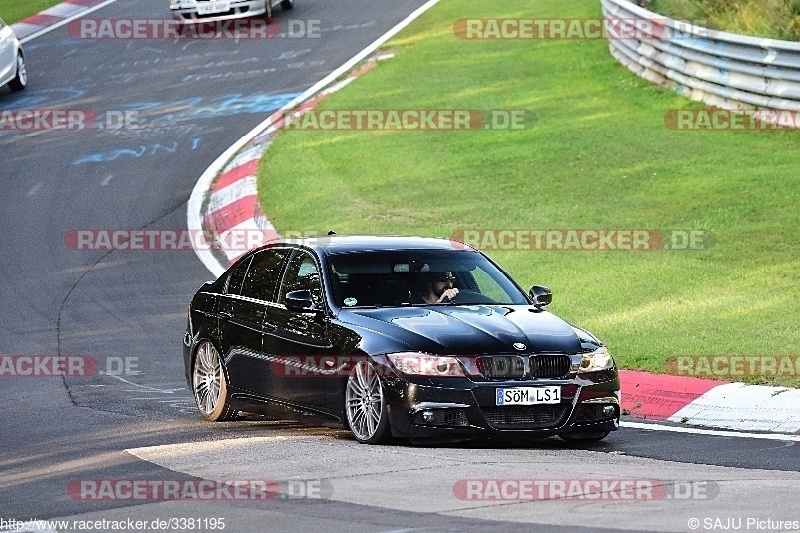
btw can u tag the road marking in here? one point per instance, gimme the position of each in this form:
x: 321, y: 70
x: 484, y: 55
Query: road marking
x: 713, y: 432
x: 67, y: 20
x: 744, y: 407
x: 107, y: 180
x: 148, y: 388
x: 33, y: 190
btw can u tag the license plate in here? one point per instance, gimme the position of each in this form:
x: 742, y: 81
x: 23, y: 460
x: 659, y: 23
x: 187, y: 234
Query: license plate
x: 528, y: 395
x: 213, y: 7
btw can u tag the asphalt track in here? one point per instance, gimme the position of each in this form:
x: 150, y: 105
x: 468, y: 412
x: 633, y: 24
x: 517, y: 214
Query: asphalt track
x: 197, y: 98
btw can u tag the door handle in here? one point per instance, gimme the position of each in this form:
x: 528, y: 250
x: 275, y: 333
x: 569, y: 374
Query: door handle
x: 226, y: 314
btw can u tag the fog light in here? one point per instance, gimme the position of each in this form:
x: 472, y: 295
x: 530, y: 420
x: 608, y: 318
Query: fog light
x: 427, y: 416
x: 608, y: 410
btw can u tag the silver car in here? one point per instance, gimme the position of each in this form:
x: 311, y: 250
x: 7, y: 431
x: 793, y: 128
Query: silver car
x: 197, y: 10
x: 12, y: 60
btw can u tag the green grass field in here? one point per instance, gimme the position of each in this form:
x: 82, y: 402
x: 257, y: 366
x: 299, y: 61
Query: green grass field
x: 12, y: 11
x: 599, y: 156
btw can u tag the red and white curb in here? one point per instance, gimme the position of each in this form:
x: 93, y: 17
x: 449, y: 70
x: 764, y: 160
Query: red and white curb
x: 711, y: 403
x: 224, y: 201
x: 232, y: 204
x: 54, y: 17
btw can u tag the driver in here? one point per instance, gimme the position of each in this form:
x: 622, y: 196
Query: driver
x: 439, y: 288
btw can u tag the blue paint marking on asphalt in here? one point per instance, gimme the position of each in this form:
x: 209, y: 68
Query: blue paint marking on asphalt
x: 43, y: 97
x: 189, y: 109
x: 137, y: 151
x: 204, y: 108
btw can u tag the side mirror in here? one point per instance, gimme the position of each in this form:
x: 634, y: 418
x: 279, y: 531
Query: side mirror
x: 540, y: 295
x: 300, y: 301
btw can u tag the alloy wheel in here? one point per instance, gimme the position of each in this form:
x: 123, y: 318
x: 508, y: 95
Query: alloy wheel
x: 365, y: 403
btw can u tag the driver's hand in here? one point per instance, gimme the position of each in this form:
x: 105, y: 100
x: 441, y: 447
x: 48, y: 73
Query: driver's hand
x: 449, y: 294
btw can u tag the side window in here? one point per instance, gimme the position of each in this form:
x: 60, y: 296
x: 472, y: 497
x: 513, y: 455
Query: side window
x: 264, y: 275
x: 302, y: 274
x: 236, y: 278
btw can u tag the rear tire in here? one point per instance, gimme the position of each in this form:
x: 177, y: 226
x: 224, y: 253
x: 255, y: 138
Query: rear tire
x: 21, y: 80
x: 210, y: 385
x: 286, y: 5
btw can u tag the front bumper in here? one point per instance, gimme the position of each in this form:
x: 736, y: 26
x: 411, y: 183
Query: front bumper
x: 461, y: 407
x: 190, y: 11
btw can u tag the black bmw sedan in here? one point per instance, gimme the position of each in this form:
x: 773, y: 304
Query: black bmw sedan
x: 394, y: 337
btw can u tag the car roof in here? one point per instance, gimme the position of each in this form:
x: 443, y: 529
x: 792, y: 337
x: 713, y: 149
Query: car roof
x: 361, y: 243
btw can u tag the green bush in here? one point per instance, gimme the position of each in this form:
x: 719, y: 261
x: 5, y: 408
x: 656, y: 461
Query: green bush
x: 776, y: 19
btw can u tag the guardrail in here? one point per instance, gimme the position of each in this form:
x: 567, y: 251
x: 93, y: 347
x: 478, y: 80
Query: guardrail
x: 724, y: 70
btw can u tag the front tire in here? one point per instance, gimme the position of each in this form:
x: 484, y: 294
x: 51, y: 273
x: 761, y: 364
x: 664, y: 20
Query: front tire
x: 21, y: 80
x: 365, y: 405
x: 286, y: 5
x: 210, y: 386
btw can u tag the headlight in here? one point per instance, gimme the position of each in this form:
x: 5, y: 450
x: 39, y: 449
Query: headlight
x: 600, y: 359
x: 417, y: 364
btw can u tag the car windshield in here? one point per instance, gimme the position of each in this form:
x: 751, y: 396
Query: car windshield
x: 411, y: 277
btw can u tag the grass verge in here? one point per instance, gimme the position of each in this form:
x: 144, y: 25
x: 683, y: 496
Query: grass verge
x: 599, y: 156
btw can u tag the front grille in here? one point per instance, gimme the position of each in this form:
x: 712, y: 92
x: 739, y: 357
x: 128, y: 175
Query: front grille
x: 588, y: 413
x: 455, y: 418
x: 212, y: 15
x: 502, y: 366
x: 552, y: 366
x: 526, y: 416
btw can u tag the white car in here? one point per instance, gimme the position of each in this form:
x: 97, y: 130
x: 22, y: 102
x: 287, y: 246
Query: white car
x: 202, y: 10
x: 12, y: 60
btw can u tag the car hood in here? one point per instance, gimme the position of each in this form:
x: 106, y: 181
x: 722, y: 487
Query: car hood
x: 470, y: 330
